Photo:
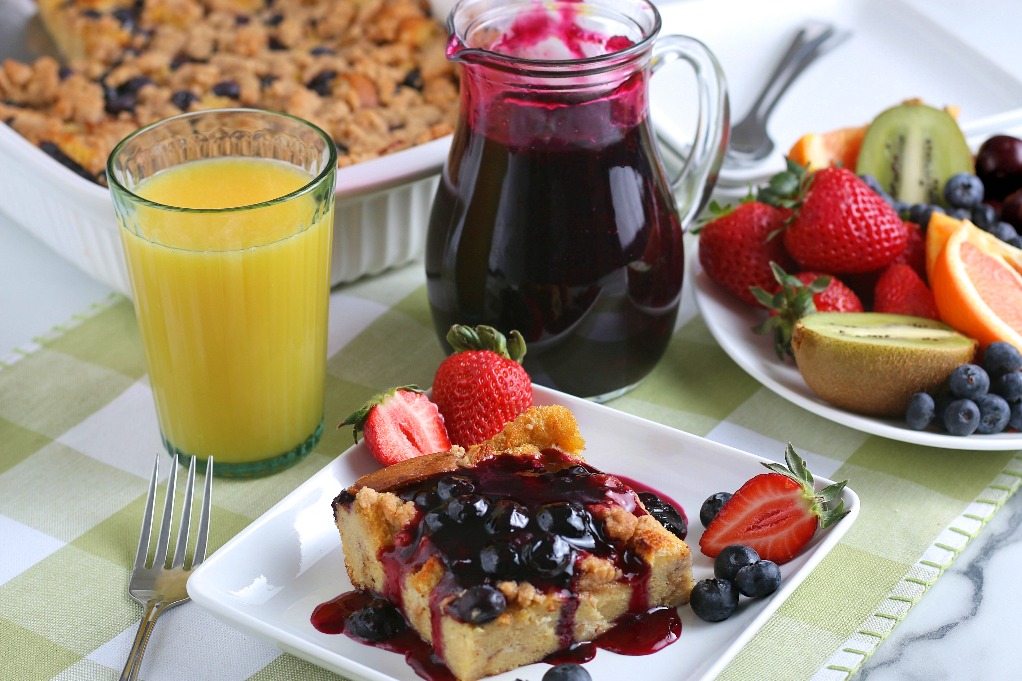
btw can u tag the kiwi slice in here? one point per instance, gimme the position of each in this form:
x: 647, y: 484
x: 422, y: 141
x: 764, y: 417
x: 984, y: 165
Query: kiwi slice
x: 872, y: 363
x: 912, y: 149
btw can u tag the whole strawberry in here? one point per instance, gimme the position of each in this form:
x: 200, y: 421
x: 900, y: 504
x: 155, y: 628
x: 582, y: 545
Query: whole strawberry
x: 900, y: 290
x: 775, y: 513
x: 735, y: 248
x: 482, y: 385
x: 842, y: 226
x: 798, y: 295
x: 399, y: 424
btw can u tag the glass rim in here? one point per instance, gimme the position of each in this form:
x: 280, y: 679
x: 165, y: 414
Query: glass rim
x: 306, y: 188
x: 595, y: 62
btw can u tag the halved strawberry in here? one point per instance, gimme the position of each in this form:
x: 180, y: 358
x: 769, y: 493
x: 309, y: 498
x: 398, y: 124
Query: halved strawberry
x: 775, y: 513
x: 399, y: 424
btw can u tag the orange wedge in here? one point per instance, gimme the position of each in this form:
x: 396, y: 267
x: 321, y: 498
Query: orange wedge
x: 977, y: 291
x: 822, y: 149
x: 941, y: 228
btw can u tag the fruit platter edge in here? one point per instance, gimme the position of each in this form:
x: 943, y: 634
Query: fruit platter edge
x: 731, y: 323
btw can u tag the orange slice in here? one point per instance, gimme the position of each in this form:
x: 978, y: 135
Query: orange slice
x: 822, y: 149
x: 941, y: 228
x: 977, y: 291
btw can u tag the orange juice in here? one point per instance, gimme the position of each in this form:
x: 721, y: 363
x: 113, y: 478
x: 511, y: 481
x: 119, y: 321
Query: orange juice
x: 232, y: 305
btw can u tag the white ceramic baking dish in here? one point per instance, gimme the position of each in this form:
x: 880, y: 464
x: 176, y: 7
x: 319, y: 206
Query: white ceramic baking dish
x: 380, y: 218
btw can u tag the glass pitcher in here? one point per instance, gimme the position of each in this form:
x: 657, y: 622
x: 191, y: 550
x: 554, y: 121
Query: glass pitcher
x: 554, y: 215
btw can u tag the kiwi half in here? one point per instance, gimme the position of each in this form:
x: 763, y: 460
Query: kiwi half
x: 912, y: 149
x: 872, y: 363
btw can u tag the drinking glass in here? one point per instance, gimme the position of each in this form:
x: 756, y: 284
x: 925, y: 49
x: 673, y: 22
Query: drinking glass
x: 226, y: 219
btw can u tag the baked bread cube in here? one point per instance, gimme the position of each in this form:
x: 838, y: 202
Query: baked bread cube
x: 512, y: 550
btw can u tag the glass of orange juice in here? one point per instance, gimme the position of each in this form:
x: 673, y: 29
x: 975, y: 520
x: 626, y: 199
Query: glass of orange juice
x: 226, y: 219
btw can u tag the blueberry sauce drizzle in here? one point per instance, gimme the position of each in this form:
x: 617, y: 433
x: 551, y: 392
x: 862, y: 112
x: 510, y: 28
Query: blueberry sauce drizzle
x: 512, y: 518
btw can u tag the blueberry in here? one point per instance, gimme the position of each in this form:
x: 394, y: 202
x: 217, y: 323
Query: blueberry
x: 666, y: 514
x: 920, y: 412
x: 501, y: 560
x: 961, y: 417
x: 960, y: 213
x: 994, y: 413
x: 963, y: 190
x: 711, y: 507
x: 506, y: 516
x: 969, y: 381
x: 714, y: 600
x: 759, y: 579
x: 133, y: 85
x: 436, y: 520
x: 570, y: 474
x: 377, y: 621
x: 1015, y: 416
x: 1001, y: 358
x: 873, y: 183
x: 731, y: 559
x: 902, y: 209
x: 426, y: 499
x: 549, y: 555
x: 413, y: 79
x: 451, y: 486
x: 565, y: 518
x: 322, y: 83
x: 984, y: 215
x: 227, y: 88
x: 467, y: 507
x: 182, y: 99
x: 478, y: 605
x: 568, y: 671
x: 127, y: 16
x: 1003, y: 231
x: 1016, y: 242
x: 1008, y: 386
x: 920, y: 213
x: 117, y: 102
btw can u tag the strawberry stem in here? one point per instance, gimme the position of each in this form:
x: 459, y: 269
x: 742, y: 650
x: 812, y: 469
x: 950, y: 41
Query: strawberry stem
x: 797, y: 470
x: 484, y: 337
x: 357, y: 419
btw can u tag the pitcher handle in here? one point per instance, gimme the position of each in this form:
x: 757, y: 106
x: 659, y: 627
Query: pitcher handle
x: 695, y: 180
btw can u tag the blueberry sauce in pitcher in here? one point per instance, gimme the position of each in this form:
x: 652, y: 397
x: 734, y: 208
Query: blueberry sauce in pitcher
x: 553, y: 215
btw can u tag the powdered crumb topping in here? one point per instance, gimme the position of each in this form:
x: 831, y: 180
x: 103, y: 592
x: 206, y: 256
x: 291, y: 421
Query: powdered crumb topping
x: 372, y: 73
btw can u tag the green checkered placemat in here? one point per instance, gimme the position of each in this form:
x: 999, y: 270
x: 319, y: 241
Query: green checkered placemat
x: 78, y: 434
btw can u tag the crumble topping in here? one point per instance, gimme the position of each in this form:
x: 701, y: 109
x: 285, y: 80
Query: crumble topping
x: 372, y: 73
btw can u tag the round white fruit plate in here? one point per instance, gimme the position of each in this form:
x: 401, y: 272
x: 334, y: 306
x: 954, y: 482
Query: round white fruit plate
x: 731, y: 322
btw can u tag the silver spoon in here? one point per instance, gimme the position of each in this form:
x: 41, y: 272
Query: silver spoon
x: 750, y: 142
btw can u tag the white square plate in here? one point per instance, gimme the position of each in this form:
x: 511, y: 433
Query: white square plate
x: 267, y: 580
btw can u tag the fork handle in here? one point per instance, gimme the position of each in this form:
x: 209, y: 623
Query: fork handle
x: 153, y: 609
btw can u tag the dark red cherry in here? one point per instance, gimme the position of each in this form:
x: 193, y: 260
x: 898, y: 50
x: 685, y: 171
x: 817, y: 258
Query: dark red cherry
x: 999, y: 165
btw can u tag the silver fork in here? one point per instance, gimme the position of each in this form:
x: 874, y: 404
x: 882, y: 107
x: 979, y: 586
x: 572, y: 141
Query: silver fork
x: 160, y: 586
